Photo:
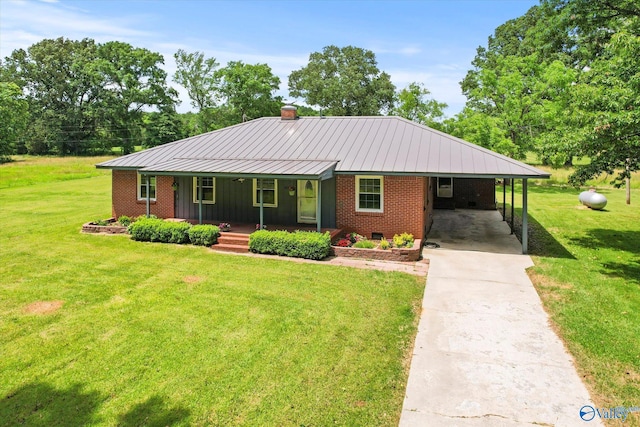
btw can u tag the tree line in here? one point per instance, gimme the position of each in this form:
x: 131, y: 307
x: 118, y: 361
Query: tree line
x: 561, y: 81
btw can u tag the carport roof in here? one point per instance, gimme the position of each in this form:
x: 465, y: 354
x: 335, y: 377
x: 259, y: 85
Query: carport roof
x: 313, y: 146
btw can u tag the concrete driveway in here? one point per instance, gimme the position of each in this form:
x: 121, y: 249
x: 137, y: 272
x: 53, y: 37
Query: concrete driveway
x: 485, y: 354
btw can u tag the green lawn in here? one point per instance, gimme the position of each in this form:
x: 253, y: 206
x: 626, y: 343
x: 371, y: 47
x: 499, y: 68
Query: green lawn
x: 153, y: 334
x: 587, y: 272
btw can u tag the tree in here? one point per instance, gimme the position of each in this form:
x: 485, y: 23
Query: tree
x: 607, y: 124
x: 14, y: 111
x: 62, y: 88
x: 344, y: 82
x: 249, y: 90
x: 133, y: 80
x: 412, y: 104
x: 199, y: 75
x: 162, y: 127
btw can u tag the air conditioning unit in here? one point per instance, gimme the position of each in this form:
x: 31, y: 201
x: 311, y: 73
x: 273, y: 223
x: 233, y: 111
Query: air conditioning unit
x: 445, y: 187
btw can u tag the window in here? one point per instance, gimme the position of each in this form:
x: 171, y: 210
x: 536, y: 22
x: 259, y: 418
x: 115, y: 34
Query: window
x: 369, y: 193
x: 142, y: 187
x: 445, y: 187
x: 269, y: 191
x: 208, y: 190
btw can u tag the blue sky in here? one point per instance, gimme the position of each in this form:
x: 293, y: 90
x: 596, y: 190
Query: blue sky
x: 429, y: 41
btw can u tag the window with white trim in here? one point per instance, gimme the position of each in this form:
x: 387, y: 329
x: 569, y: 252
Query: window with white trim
x: 208, y: 190
x: 369, y: 193
x: 269, y: 191
x: 142, y: 187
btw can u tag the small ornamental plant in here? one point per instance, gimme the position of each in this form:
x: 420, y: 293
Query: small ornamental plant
x: 224, y: 226
x: 404, y: 240
x: 345, y: 243
x: 264, y: 227
x: 355, y: 237
x: 385, y: 245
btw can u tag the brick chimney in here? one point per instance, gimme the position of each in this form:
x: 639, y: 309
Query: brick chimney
x: 288, y: 112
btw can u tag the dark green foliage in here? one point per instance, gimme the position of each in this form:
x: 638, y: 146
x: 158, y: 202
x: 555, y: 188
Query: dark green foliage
x: 157, y: 230
x: 124, y: 220
x: 204, y: 234
x: 299, y: 244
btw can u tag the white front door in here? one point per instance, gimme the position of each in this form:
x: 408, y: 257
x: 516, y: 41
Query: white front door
x: 307, y: 201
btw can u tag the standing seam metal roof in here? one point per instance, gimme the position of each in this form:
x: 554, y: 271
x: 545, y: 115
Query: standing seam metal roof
x: 384, y: 145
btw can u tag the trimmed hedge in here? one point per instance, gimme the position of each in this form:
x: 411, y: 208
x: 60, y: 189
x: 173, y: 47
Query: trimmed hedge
x: 299, y: 244
x: 157, y: 230
x: 204, y: 234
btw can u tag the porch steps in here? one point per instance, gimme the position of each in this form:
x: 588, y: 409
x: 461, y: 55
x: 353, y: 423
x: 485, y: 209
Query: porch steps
x: 232, y: 242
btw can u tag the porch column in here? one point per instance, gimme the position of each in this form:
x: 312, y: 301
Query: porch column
x: 504, y: 199
x: 319, y: 206
x: 525, y: 231
x: 512, y: 205
x: 199, y: 184
x: 260, y: 182
x: 148, y: 194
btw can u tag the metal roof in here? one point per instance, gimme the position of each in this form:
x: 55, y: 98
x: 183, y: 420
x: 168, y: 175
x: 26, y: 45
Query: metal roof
x: 317, y: 169
x: 363, y: 145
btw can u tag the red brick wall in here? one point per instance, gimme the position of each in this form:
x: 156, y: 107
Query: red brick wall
x: 403, y: 208
x: 124, y: 196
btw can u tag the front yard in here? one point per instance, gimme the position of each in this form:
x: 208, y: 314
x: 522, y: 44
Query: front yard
x: 107, y: 331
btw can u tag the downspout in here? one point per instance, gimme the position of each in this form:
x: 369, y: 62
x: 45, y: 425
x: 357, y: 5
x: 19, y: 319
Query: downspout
x: 525, y: 233
x: 199, y: 184
x: 319, y: 206
x: 148, y: 195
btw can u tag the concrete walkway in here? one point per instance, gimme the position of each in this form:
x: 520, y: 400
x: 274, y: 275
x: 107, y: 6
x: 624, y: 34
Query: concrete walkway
x: 485, y: 354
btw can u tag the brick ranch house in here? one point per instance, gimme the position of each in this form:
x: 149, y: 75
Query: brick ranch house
x: 377, y: 176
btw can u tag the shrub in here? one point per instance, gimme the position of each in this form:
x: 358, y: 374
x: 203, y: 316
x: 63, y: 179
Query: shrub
x: 144, y: 229
x: 124, y: 221
x: 157, y: 230
x: 404, y: 240
x: 364, y: 244
x: 204, y: 234
x: 100, y: 222
x: 299, y: 244
x: 385, y: 245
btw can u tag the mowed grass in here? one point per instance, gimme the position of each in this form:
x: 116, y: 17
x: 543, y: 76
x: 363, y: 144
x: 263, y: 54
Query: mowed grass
x: 30, y: 170
x: 156, y: 334
x: 587, y: 272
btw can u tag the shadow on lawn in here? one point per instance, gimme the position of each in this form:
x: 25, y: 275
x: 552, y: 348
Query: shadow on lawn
x: 39, y: 404
x: 541, y: 242
x: 153, y: 413
x: 618, y: 240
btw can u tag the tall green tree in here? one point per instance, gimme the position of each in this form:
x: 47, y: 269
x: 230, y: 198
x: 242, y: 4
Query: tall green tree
x: 249, y: 90
x: 14, y: 111
x: 63, y: 89
x: 607, y: 123
x: 201, y: 78
x: 344, y: 82
x: 414, y: 104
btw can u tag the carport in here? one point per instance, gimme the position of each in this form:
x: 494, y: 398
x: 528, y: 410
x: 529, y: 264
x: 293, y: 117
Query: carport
x: 503, y: 171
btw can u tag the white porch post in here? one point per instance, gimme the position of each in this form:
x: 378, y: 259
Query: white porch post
x: 525, y: 233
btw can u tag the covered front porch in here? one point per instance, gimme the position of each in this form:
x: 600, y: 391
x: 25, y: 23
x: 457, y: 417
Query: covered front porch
x: 295, y: 194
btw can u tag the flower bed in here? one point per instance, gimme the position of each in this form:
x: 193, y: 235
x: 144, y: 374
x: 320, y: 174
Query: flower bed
x: 405, y: 248
x: 411, y: 254
x: 111, y: 227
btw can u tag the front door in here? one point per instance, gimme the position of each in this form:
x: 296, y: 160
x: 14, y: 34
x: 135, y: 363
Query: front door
x: 307, y: 201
